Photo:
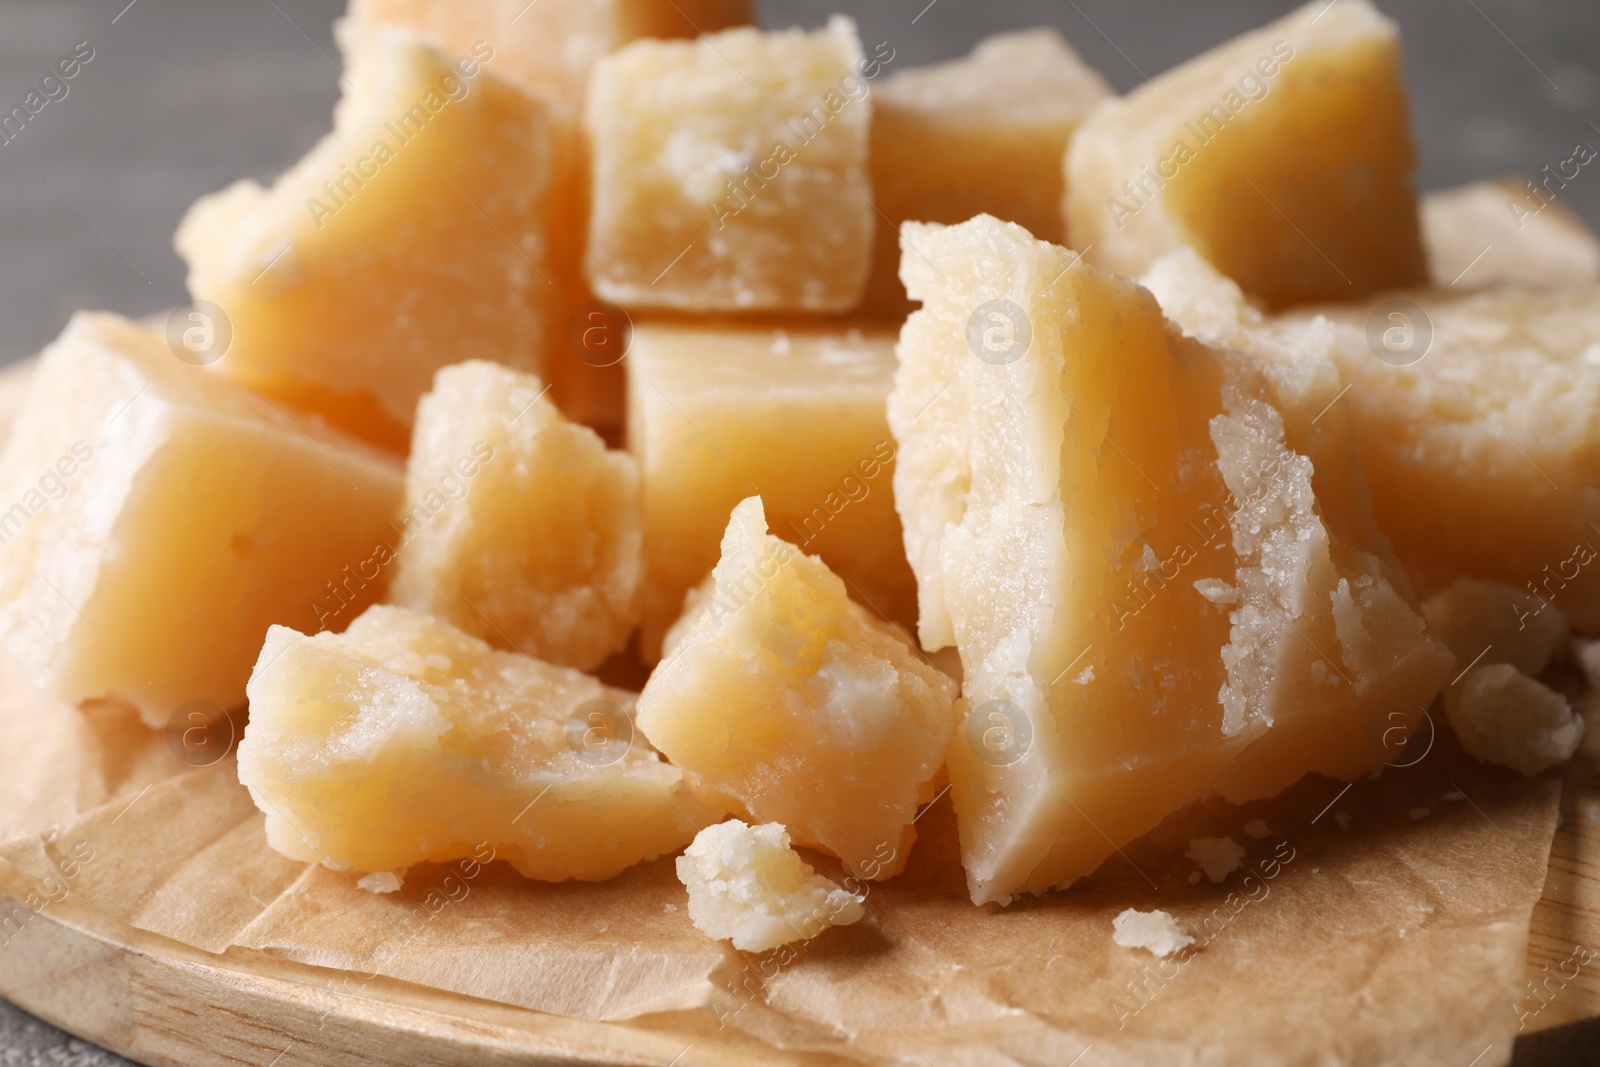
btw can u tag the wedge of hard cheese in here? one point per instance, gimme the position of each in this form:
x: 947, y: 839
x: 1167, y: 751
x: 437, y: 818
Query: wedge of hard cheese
x: 1284, y: 157
x: 415, y: 235
x: 137, y: 486
x: 983, y: 134
x: 404, y: 739
x: 1510, y: 230
x: 1114, y: 526
x: 718, y: 413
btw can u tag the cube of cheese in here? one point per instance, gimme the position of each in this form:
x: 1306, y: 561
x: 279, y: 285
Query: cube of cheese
x: 748, y: 886
x: 1122, y: 532
x: 716, y: 413
x: 404, y: 739
x: 787, y: 702
x: 520, y: 527
x: 984, y: 134
x: 415, y: 235
x: 1502, y: 716
x: 1510, y: 230
x: 1492, y: 622
x: 159, y: 518
x: 730, y: 173
x: 549, y: 47
x: 1283, y: 157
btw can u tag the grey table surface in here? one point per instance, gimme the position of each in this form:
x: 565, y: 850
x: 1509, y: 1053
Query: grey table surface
x: 183, y: 96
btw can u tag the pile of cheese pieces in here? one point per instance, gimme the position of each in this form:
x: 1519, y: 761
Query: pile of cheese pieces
x: 1190, y: 523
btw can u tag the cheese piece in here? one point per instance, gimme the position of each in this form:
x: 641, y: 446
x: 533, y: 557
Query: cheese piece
x: 520, y: 527
x: 1284, y: 157
x: 1475, y: 413
x: 413, y: 236
x: 730, y: 173
x: 984, y: 134
x: 746, y: 885
x: 1157, y: 932
x: 717, y: 413
x: 785, y: 701
x: 1504, y: 717
x: 1509, y: 230
x: 404, y: 740
x: 1492, y: 622
x: 549, y: 47
x: 1217, y: 856
x: 136, y: 486
x: 1072, y: 476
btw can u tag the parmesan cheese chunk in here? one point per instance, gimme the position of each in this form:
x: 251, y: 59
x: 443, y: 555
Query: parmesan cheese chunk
x: 415, y: 235
x: 1283, y: 156
x: 1070, y: 469
x: 783, y: 700
x: 157, y: 519
x: 520, y: 527
x: 746, y: 885
x: 1502, y: 716
x: 1157, y: 932
x: 405, y: 739
x: 730, y: 173
x: 1492, y: 622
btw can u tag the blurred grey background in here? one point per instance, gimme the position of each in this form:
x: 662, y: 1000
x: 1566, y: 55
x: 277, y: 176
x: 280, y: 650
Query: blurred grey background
x: 184, y: 96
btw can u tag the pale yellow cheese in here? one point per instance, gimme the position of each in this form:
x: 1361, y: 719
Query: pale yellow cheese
x: 415, y: 235
x: 1504, y: 717
x: 405, y: 739
x: 1116, y: 528
x: 718, y: 413
x: 519, y: 527
x: 730, y: 173
x: 1492, y: 622
x: 746, y: 885
x: 1284, y: 157
x: 783, y: 700
x: 1157, y: 932
x: 548, y: 47
x: 983, y: 134
x: 1510, y: 230
x: 155, y: 519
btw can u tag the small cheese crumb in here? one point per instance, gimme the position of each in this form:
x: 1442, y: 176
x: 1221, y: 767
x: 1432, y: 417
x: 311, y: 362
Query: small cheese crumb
x: 746, y: 885
x: 1343, y: 819
x: 1418, y: 814
x: 380, y: 882
x: 1217, y: 856
x: 1497, y: 622
x: 1216, y: 590
x: 1503, y: 716
x: 1587, y: 653
x: 1591, y: 810
x: 1257, y: 829
x: 1194, y: 877
x: 1154, y: 931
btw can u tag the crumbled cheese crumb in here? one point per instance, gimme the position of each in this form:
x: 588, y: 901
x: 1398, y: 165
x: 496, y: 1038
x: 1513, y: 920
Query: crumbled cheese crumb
x: 1194, y: 877
x: 380, y: 882
x: 1257, y: 829
x: 1498, y: 622
x: 1503, y: 716
x: 746, y: 885
x: 1154, y: 931
x: 1217, y: 856
x: 1343, y: 819
x: 1216, y: 590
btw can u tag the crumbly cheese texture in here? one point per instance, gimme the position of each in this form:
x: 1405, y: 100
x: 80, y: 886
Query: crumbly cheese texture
x: 134, y: 483
x: 1284, y: 157
x: 519, y: 527
x: 1062, y: 503
x: 1217, y: 856
x: 549, y: 48
x: 415, y: 235
x: 1502, y: 716
x: 718, y: 412
x: 1506, y: 230
x: 983, y: 134
x: 405, y: 739
x: 1483, y: 454
x: 1157, y: 932
x: 782, y: 699
x: 730, y: 173
x: 746, y: 885
x: 1492, y: 622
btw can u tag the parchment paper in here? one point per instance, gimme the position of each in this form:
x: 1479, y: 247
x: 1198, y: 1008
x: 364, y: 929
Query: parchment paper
x: 1398, y: 940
